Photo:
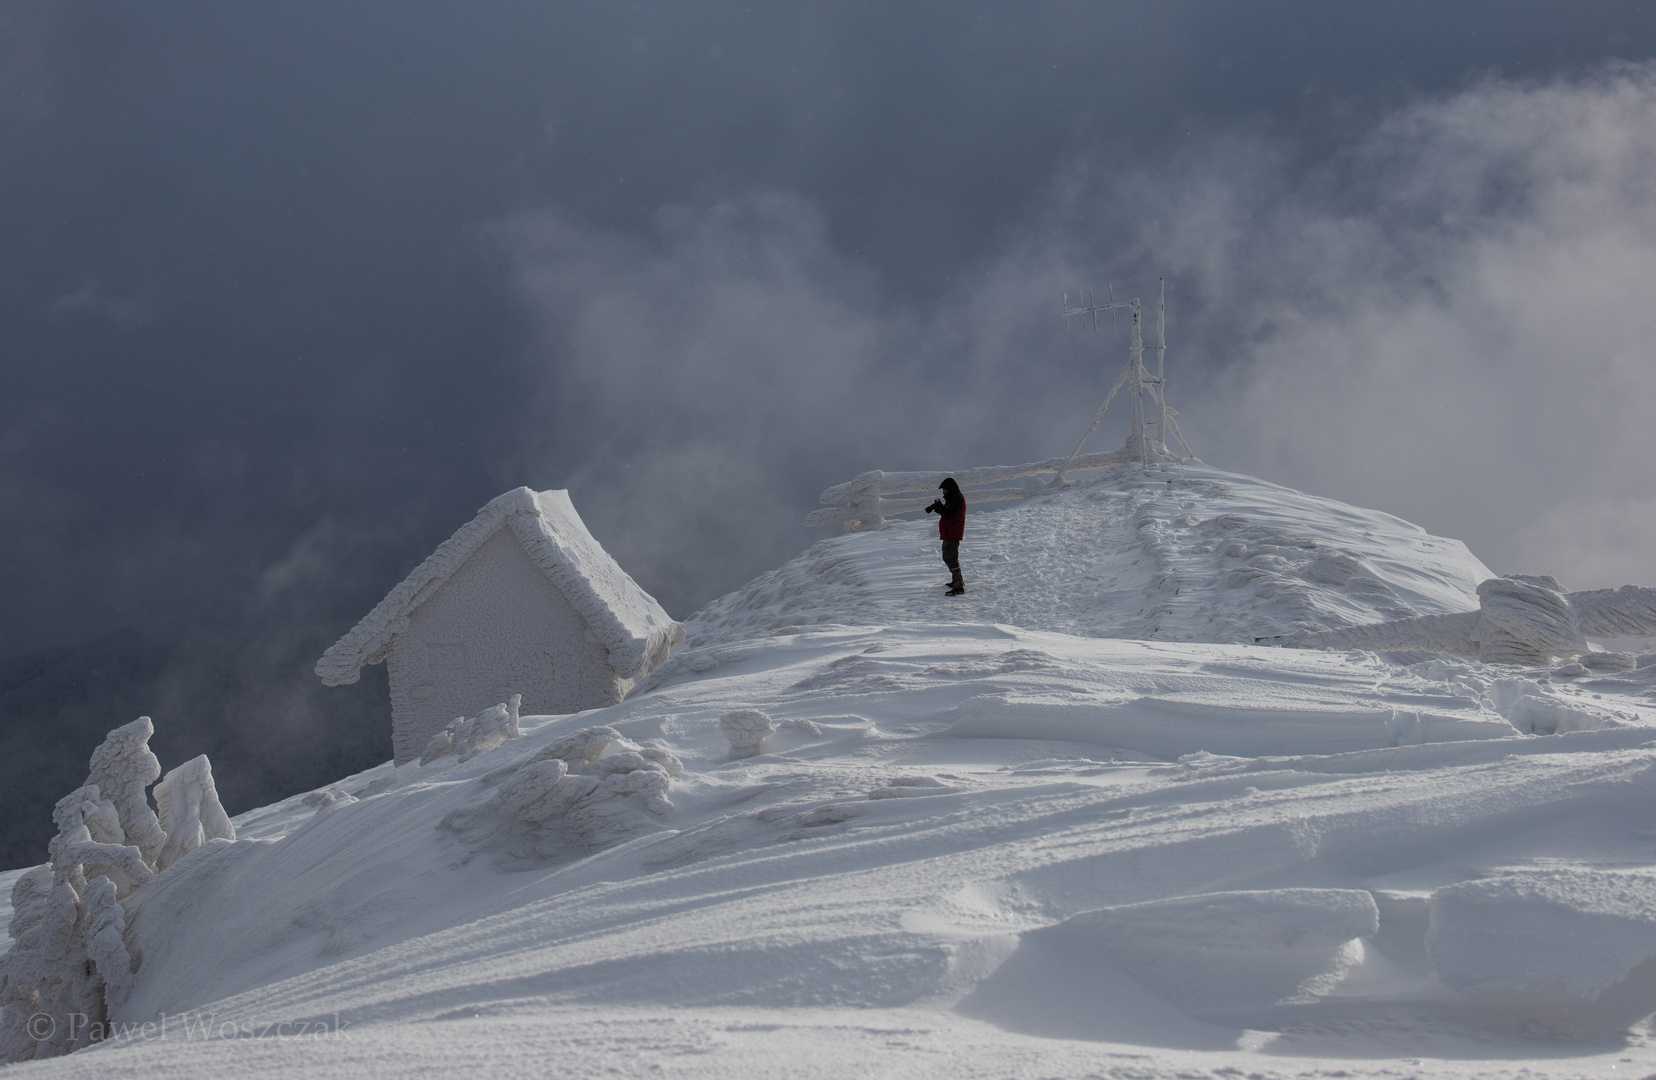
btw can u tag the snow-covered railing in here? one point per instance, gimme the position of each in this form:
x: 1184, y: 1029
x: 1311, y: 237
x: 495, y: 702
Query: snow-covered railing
x: 1524, y: 619
x: 861, y: 503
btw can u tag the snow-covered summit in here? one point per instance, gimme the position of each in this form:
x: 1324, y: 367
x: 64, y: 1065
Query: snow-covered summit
x: 1075, y: 823
x: 1183, y: 553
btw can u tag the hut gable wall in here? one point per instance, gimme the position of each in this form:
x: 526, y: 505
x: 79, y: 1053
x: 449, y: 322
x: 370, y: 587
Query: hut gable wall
x: 496, y: 627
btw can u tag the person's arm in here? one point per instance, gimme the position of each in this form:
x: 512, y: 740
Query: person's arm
x: 948, y: 506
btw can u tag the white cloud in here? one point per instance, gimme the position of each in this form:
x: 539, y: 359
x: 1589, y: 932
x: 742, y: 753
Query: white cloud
x: 1450, y: 319
x: 1470, y: 340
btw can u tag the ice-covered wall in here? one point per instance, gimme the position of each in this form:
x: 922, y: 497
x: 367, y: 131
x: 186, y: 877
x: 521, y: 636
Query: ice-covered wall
x: 495, y: 628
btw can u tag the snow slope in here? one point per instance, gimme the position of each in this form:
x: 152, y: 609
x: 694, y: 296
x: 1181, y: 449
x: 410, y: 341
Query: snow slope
x: 1186, y: 553
x: 1073, y: 823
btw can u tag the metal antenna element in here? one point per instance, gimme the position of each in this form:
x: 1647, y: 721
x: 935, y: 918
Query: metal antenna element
x: 1141, y: 446
x: 1094, y: 307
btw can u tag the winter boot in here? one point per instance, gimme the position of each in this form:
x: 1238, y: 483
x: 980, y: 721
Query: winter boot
x: 956, y: 586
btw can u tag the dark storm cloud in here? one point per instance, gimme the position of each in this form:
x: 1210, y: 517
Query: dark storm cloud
x: 249, y: 282
x: 287, y: 291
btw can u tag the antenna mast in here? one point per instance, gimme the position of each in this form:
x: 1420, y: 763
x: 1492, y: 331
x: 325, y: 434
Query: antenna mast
x: 1140, y: 446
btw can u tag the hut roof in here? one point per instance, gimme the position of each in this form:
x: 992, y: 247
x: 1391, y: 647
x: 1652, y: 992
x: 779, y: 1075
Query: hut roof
x: 632, y: 626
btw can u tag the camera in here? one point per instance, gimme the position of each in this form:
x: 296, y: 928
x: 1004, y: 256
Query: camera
x: 936, y: 507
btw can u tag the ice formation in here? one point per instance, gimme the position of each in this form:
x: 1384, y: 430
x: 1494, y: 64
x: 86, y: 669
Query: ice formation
x: 105, y: 933
x: 1524, y: 619
x: 88, y: 846
x: 485, y: 731
x: 580, y: 792
x: 327, y: 798
x: 1629, y: 611
x: 800, y: 724
x: 68, y: 960
x: 190, y: 811
x: 747, y: 730
x: 122, y: 768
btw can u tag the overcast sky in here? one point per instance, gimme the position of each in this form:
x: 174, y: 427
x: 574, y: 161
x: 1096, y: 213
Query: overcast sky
x: 288, y: 290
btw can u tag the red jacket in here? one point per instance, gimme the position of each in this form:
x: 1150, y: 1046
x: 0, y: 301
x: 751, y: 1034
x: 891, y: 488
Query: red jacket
x: 951, y: 520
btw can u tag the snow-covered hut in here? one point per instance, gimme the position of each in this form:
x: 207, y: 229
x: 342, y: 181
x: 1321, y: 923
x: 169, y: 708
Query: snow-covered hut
x: 522, y: 600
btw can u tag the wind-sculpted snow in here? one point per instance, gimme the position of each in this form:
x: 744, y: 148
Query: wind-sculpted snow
x: 1225, y: 953
x: 1023, y: 832
x: 1593, y: 929
x: 1218, y: 837
x: 579, y: 793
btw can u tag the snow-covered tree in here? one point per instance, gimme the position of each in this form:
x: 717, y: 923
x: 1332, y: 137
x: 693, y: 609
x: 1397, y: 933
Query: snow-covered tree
x: 69, y: 959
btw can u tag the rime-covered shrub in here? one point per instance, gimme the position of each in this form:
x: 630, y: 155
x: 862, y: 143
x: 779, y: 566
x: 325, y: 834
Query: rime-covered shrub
x: 327, y: 799
x: 66, y: 931
x: 485, y: 731
x: 191, y: 813
x: 68, y: 956
x: 747, y: 730
x: 652, y: 750
x: 581, y: 792
x: 122, y: 767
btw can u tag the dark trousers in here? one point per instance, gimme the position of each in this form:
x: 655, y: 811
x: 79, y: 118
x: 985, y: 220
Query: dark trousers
x: 951, y: 554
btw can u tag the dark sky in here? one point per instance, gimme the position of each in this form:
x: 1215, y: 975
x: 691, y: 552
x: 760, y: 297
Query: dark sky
x: 288, y: 290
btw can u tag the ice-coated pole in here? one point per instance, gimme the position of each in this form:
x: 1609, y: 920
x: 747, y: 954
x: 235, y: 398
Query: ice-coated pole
x: 1161, y: 364
x: 1137, y: 433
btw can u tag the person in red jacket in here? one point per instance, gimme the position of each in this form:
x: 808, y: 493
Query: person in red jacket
x: 951, y: 526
